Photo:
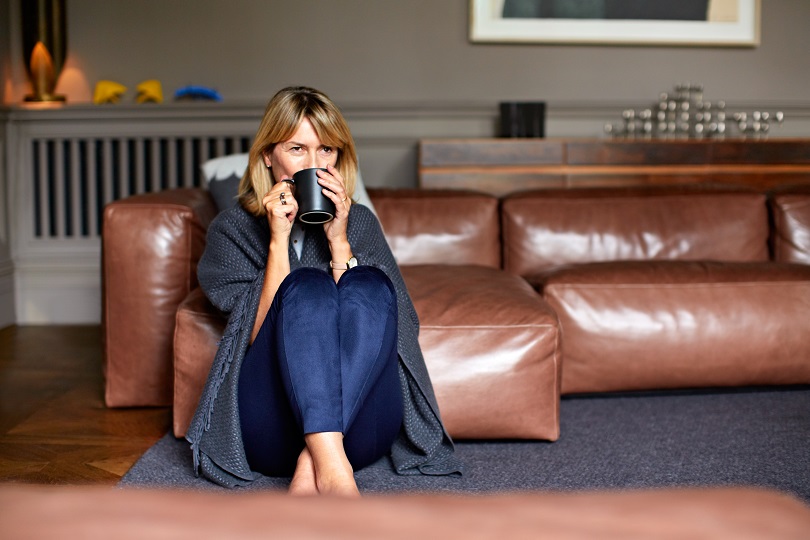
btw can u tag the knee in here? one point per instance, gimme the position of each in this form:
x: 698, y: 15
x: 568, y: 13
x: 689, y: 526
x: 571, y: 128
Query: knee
x: 312, y: 282
x: 369, y: 279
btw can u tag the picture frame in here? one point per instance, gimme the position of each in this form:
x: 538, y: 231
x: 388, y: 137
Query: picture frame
x: 729, y: 23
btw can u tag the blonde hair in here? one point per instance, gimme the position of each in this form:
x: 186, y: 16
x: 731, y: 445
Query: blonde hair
x: 282, y: 117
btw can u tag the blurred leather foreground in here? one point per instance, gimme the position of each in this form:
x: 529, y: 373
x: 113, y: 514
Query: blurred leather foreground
x: 99, y: 512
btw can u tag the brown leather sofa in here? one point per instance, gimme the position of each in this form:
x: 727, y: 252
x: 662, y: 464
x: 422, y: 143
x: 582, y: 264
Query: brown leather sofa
x: 671, y: 287
x: 519, y: 299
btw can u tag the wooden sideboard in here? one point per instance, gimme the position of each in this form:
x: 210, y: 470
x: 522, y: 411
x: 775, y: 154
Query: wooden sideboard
x: 501, y: 166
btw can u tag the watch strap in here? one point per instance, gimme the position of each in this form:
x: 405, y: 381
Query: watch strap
x: 351, y: 263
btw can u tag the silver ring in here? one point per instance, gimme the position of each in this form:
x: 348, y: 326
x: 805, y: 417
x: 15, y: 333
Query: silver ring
x: 281, y: 198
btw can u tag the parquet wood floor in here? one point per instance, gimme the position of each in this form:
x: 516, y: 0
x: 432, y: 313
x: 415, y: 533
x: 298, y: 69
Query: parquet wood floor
x: 54, y: 427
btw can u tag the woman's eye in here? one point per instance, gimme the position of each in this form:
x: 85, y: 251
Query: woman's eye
x: 327, y: 149
x: 295, y: 148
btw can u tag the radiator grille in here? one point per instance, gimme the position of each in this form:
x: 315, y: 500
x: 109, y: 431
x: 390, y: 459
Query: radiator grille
x: 73, y: 179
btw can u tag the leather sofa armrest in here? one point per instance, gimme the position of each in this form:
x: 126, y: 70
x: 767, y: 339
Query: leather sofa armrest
x: 151, y: 244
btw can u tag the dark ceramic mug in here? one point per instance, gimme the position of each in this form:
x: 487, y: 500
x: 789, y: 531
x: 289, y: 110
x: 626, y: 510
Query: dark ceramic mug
x: 313, y: 206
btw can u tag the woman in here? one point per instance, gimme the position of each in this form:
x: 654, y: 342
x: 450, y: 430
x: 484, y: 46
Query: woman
x: 319, y: 371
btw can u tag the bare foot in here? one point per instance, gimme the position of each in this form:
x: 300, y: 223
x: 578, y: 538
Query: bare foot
x: 303, y: 481
x: 333, y: 472
x: 337, y: 482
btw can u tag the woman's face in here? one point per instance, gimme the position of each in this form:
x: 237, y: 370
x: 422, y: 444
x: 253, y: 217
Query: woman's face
x: 303, y: 150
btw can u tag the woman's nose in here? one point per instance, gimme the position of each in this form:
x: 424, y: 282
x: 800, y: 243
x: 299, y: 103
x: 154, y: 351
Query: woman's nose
x: 326, y: 160
x: 314, y: 161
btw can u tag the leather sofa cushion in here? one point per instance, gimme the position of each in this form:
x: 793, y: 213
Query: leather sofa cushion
x: 150, y: 247
x: 491, y: 345
x: 791, y: 216
x: 678, y: 324
x: 440, y: 227
x: 546, y: 229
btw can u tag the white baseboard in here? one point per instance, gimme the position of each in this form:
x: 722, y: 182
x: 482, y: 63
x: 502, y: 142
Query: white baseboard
x: 54, y: 294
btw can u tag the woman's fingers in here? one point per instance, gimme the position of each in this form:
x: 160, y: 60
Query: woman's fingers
x: 335, y: 188
x: 280, y: 202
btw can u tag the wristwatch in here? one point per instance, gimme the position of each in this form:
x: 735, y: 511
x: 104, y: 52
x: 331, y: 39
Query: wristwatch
x: 351, y: 263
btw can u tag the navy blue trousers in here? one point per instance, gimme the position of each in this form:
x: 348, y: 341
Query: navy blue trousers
x: 325, y: 359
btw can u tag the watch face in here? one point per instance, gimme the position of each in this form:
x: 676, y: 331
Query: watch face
x: 352, y: 263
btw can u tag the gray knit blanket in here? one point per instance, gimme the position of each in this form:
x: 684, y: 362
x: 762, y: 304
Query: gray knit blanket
x: 231, y: 273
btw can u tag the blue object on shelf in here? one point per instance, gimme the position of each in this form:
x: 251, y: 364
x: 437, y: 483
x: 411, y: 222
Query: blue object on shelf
x: 197, y: 93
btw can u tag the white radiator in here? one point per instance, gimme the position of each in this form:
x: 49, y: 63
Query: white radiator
x: 74, y: 178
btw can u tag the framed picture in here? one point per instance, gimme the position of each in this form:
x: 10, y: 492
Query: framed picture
x: 617, y: 22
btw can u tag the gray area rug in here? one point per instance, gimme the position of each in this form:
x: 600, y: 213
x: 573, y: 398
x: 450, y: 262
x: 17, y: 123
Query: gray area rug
x: 740, y: 437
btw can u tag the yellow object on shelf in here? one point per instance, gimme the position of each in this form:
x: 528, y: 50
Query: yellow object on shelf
x: 150, y: 91
x: 108, y: 92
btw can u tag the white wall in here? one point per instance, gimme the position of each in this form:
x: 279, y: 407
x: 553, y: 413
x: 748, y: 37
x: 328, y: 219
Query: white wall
x: 409, y: 50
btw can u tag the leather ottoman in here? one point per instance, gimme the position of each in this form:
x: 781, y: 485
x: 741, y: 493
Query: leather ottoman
x: 197, y: 332
x: 492, y: 347
x: 484, y: 333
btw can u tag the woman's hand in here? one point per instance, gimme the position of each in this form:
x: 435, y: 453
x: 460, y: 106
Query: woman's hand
x: 335, y: 190
x: 281, y: 208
